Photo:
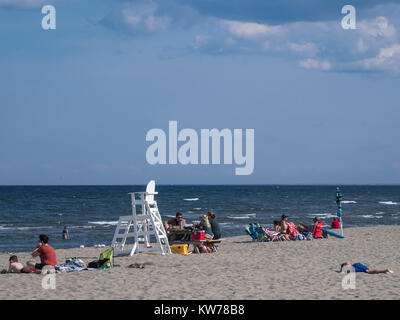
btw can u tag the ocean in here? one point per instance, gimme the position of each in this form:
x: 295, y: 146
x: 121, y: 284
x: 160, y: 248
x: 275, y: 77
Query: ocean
x: 91, y: 212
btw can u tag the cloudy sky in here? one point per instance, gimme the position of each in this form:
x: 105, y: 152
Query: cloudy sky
x: 76, y: 102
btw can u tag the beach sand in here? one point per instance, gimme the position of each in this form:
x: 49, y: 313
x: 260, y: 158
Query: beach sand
x: 241, y: 269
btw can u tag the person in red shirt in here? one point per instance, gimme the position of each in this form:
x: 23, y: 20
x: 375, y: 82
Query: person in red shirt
x: 46, y: 253
x: 335, y: 223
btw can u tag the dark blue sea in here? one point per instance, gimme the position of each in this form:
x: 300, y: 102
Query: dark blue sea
x: 91, y: 212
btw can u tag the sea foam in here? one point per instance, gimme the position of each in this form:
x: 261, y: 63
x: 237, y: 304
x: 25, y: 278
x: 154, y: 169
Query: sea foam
x: 388, y: 202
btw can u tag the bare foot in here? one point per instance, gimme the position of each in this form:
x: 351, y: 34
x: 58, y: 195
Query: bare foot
x: 388, y: 271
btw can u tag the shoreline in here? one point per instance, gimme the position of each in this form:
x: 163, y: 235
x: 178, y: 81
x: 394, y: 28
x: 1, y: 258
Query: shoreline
x: 230, y: 237
x: 241, y: 269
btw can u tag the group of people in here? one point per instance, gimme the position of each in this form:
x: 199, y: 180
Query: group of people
x: 43, y: 250
x: 208, y: 223
x: 288, y: 231
x: 285, y: 231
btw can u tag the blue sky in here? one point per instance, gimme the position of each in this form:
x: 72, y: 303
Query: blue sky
x: 76, y: 102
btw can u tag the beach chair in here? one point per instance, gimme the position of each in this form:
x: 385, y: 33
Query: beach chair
x: 257, y: 233
x: 251, y: 231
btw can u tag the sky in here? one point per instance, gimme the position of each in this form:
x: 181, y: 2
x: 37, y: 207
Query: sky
x: 77, y: 102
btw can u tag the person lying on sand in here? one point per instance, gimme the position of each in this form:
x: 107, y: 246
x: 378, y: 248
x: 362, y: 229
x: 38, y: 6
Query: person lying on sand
x: 358, y: 267
x: 15, y: 266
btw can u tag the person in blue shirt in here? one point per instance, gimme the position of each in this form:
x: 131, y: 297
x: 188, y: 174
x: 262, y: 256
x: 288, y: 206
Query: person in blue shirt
x: 358, y: 267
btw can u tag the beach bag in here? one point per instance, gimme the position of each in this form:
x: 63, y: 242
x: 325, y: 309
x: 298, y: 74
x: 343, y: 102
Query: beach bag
x: 98, y: 264
x: 105, y: 260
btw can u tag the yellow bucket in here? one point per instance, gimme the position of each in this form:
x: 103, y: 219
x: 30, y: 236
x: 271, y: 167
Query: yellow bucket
x: 180, y: 248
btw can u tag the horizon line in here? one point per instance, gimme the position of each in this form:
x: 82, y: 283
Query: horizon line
x: 201, y: 184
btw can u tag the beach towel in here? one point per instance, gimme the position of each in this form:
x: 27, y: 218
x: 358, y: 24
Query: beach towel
x: 292, y: 230
x: 273, y: 235
x: 71, y: 266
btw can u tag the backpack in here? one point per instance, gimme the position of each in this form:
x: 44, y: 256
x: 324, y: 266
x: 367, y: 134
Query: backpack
x: 97, y: 264
x: 105, y: 260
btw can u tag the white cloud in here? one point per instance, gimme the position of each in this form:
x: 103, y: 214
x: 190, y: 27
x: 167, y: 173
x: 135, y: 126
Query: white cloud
x: 303, y: 47
x: 378, y: 27
x: 138, y: 18
x: 388, y: 59
x: 315, y: 64
x: 324, y: 46
x: 249, y: 29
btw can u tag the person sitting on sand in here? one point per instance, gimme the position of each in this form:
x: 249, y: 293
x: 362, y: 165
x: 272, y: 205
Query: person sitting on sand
x: 176, y: 223
x: 206, y: 226
x: 46, y: 253
x: 289, y: 228
x: 358, y: 267
x: 304, y: 228
x: 214, y: 225
x: 277, y: 227
x: 284, y: 223
x: 335, y: 223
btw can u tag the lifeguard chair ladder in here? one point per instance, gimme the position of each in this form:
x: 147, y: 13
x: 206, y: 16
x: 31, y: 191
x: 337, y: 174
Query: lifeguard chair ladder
x: 148, y: 231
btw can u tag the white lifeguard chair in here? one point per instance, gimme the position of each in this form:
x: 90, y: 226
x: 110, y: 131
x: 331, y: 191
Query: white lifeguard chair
x: 148, y: 231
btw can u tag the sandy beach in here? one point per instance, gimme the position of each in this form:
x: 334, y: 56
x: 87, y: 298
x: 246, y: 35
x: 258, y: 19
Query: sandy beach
x: 241, y: 269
